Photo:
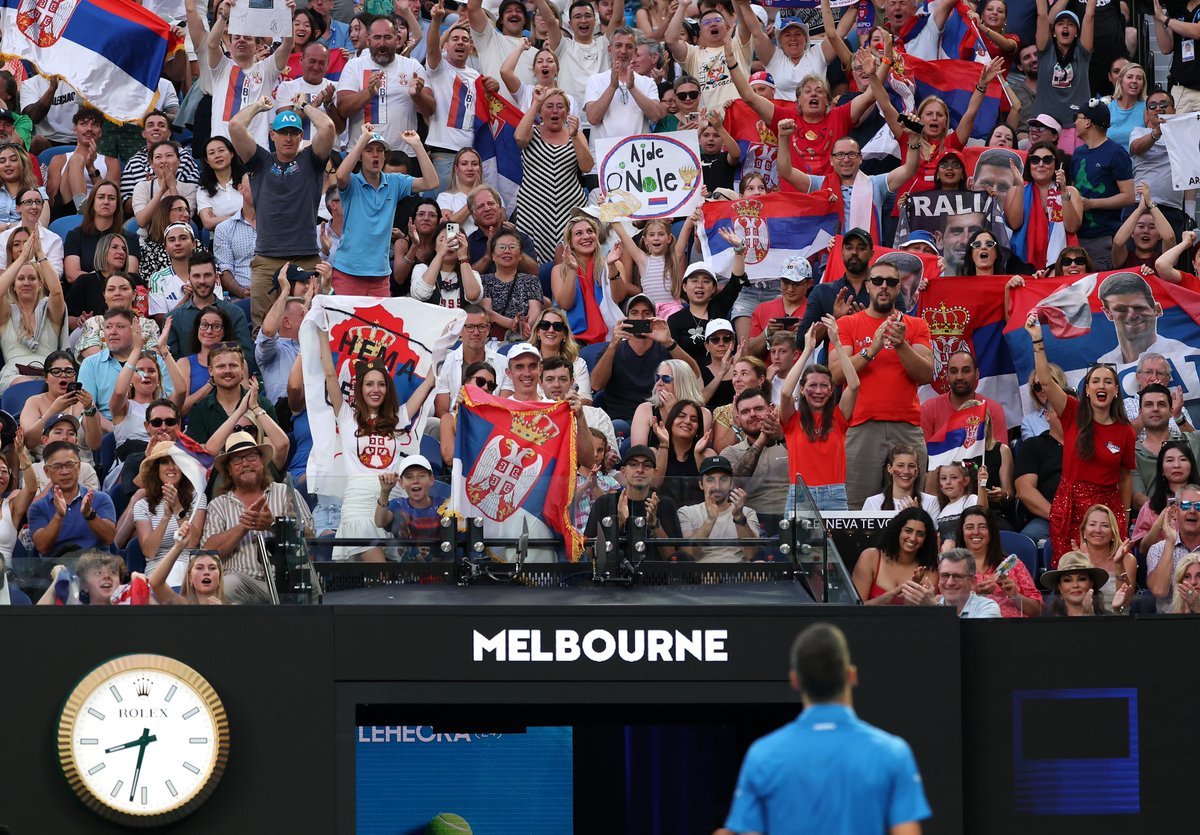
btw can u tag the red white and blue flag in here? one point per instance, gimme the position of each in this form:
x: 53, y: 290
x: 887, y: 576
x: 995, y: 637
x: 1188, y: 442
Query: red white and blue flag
x: 962, y: 438
x: 1109, y: 317
x: 773, y: 227
x: 514, y: 467
x: 954, y: 81
x: 110, y: 51
x: 961, y: 38
x: 464, y: 105
x: 496, y: 141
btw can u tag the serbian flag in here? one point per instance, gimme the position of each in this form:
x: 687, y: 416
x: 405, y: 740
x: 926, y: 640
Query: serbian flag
x: 968, y: 314
x: 1110, y: 317
x: 836, y: 269
x: 464, y: 111
x: 954, y: 81
x: 774, y: 227
x: 961, y: 38
x: 514, y: 467
x: 110, y: 51
x: 962, y: 438
x: 496, y: 141
x: 1043, y: 235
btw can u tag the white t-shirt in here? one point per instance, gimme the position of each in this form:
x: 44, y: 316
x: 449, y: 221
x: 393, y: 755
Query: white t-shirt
x: 577, y: 63
x: 624, y: 116
x: 491, y: 48
x: 695, y: 516
x: 368, y: 454
x: 234, y: 88
x: 391, y: 110
x: 288, y: 90
x: 452, y: 127
x: 707, y: 65
x: 452, y: 202
x: 928, y: 503
x: 432, y: 291
x: 449, y: 379
x: 525, y: 101
x: 225, y: 202
x: 168, y: 99
x: 52, y: 245
x: 57, y: 126
x: 166, y: 289
x: 788, y: 75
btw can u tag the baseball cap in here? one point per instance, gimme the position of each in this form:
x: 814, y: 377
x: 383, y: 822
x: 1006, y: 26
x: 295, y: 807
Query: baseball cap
x: 796, y: 269
x: 717, y: 326
x: 639, y: 451
x: 788, y: 22
x: 860, y: 233
x: 59, y: 418
x: 377, y: 138
x: 1064, y: 13
x: 287, y: 120
x: 415, y: 461
x: 639, y: 297
x: 700, y: 267
x: 7, y: 116
x: 1097, y: 111
x: 1046, y: 121
x: 716, y: 462
x: 919, y: 236
x: 763, y: 77
x: 522, y: 348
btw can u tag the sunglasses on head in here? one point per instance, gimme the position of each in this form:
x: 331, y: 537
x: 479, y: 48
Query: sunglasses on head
x: 160, y: 422
x: 1042, y: 159
x: 982, y: 244
x: 484, y: 383
x: 551, y: 326
x: 1076, y: 261
x: 880, y: 280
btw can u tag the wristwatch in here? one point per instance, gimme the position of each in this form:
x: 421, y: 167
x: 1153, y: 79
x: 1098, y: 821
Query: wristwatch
x: 865, y: 353
x: 90, y: 412
x: 90, y: 516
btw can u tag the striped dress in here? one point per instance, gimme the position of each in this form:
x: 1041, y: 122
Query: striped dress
x: 550, y: 189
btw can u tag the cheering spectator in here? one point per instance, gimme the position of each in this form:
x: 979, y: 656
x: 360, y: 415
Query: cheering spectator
x: 1175, y: 32
x: 29, y: 204
x: 277, y: 345
x: 69, y: 518
x: 760, y: 459
x: 287, y: 189
x: 512, y: 298
x: 545, y: 75
x: 620, y: 102
x: 583, y: 286
x: 16, y: 495
x: 235, y: 405
x: 314, y: 81
x: 848, y: 294
x: 1127, y: 108
x: 99, y: 371
x: 673, y: 381
x: 1077, y: 587
x: 1181, y: 536
x: 447, y: 72
x: 901, y: 484
x: 1103, y: 174
x: 797, y: 56
x: 156, y: 128
x: 1064, y: 58
x: 1187, y: 587
x: 907, y: 551
x: 234, y: 242
x: 172, y: 209
x: 118, y: 292
x: 1014, y: 590
x: 487, y: 214
x: 553, y: 153
x: 962, y: 380
x: 360, y: 265
x: 722, y: 515
x: 1154, y: 422
x: 203, y: 580
x: 746, y: 373
x: 199, y: 294
x: 218, y: 198
x: 449, y: 280
x: 33, y: 312
x: 681, y: 444
x: 1174, y: 469
x: 703, y: 304
x: 709, y: 60
x: 475, y: 349
x: 1151, y: 164
x: 1144, y: 235
x: 417, y: 514
x: 815, y: 423
x: 1106, y: 549
x: 497, y: 32
x: 956, y: 577
x: 240, y: 79
x: 165, y: 159
x: 101, y: 216
x: 1047, y: 198
x: 466, y: 174
x: 212, y: 327
x: 238, y: 517
x: 638, y: 500
x: 1038, y: 470
x: 70, y: 177
x: 887, y: 411
x: 170, y: 500
x: 957, y: 489
x: 138, y: 384
x: 1036, y: 419
x: 168, y: 288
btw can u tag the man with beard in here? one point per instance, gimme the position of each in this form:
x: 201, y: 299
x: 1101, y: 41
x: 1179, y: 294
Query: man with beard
x: 760, y: 459
x: 1022, y: 80
x: 638, y: 501
x: 892, y: 354
x: 384, y: 88
x: 202, y: 279
x: 847, y: 294
x: 710, y: 60
x: 722, y: 515
x: 314, y: 86
x: 239, y: 80
x: 493, y: 45
x: 243, y: 512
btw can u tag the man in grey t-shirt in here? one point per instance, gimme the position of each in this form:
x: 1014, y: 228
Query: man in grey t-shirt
x: 287, y: 190
x: 1148, y: 150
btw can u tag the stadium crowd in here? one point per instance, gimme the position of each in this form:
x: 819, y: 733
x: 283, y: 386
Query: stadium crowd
x: 155, y: 276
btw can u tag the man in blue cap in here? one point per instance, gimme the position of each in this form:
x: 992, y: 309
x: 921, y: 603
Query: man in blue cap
x: 287, y: 190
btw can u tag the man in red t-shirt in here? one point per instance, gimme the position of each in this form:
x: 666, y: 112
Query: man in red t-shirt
x: 893, y: 355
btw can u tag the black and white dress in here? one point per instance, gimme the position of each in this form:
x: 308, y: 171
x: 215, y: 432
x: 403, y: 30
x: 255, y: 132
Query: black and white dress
x: 550, y: 189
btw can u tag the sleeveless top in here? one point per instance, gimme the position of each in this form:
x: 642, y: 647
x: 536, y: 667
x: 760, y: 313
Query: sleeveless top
x: 8, y: 531
x: 879, y: 591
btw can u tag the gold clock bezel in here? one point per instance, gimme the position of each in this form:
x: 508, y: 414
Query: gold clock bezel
x: 86, y: 687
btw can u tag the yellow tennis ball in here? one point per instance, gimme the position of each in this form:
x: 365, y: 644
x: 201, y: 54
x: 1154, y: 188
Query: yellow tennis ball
x: 448, y: 823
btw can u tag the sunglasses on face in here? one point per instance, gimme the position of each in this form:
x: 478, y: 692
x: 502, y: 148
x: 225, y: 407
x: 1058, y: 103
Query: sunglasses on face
x: 1078, y: 261
x: 720, y: 339
x: 687, y: 95
x: 484, y: 383
x: 551, y: 326
x: 1186, y: 505
x: 879, y: 281
x: 982, y: 244
x: 663, y: 378
x: 1040, y: 159
x: 1158, y: 105
x: 160, y: 422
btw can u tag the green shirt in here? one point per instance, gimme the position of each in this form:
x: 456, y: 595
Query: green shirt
x: 206, y: 416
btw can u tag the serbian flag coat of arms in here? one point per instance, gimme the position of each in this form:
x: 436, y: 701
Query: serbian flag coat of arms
x: 514, y: 466
x: 773, y: 227
x: 110, y: 51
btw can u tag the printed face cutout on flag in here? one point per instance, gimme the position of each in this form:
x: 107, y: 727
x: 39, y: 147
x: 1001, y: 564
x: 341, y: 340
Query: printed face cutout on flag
x: 952, y: 217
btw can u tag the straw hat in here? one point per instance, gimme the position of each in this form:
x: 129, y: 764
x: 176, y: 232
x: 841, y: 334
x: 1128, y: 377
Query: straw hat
x: 1074, y: 562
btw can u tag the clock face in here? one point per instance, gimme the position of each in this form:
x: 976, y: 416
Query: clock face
x: 143, y: 739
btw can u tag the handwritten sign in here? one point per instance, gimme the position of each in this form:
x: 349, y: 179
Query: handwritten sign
x: 649, y: 176
x: 260, y: 18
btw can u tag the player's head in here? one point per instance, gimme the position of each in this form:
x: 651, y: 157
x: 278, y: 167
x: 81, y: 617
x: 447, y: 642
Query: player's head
x: 821, y: 668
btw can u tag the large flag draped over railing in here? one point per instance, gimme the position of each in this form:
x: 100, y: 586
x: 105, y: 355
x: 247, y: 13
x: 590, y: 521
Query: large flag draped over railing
x: 407, y: 335
x: 773, y: 227
x: 110, y: 51
x: 515, y: 466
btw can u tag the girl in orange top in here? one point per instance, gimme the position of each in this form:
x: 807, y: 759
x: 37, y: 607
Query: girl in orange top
x: 815, y: 427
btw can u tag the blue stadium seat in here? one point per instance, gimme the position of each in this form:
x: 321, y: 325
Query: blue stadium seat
x: 131, y: 226
x: 14, y: 397
x: 50, y: 153
x: 105, y: 455
x: 244, y: 306
x: 1025, y: 549
x: 591, y: 354
x: 65, y: 224
x: 432, y: 449
x: 1047, y: 555
x: 135, y: 560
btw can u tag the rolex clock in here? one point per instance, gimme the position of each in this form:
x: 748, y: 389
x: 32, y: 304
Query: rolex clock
x: 143, y: 740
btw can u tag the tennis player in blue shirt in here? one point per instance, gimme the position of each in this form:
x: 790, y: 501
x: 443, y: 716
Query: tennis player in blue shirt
x: 828, y: 771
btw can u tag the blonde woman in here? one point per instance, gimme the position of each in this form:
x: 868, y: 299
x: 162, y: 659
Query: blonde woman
x: 674, y: 380
x: 1127, y: 108
x: 32, y: 311
x: 1100, y: 540
x: 466, y: 172
x: 551, y: 334
x: 1187, y: 586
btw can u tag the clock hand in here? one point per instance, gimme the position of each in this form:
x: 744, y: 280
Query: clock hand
x: 139, y: 741
x: 145, y: 740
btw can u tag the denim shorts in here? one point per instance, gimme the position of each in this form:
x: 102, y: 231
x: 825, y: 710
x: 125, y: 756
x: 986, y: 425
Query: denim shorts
x: 327, y: 515
x: 752, y: 295
x: 824, y: 496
